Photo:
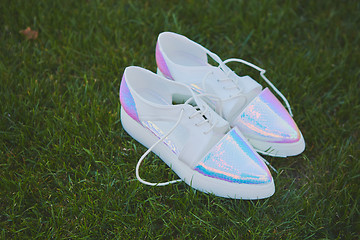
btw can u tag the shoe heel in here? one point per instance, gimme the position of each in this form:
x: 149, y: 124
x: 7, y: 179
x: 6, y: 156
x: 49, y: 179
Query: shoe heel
x: 136, y: 130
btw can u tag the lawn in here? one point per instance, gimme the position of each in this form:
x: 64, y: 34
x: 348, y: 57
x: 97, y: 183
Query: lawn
x: 68, y: 168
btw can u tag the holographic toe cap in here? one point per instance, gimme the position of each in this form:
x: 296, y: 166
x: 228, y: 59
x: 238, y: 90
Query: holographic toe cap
x: 266, y: 119
x: 233, y: 160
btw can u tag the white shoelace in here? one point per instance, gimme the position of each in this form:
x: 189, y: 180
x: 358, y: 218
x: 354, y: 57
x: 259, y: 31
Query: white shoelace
x: 198, y: 112
x: 221, y: 64
x: 168, y: 133
x: 220, y: 102
x: 150, y: 149
x: 262, y: 73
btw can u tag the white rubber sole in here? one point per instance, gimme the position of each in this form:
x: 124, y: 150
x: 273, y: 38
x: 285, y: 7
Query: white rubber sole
x: 190, y: 176
x: 278, y: 149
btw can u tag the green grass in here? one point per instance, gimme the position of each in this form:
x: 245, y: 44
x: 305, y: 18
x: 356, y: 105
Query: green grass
x: 67, y: 166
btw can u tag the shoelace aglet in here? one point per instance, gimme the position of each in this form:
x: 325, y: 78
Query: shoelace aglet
x: 267, y: 163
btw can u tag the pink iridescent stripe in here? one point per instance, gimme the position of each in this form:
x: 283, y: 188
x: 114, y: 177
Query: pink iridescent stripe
x: 160, y: 61
x: 127, y: 100
x: 266, y: 118
x: 232, y: 160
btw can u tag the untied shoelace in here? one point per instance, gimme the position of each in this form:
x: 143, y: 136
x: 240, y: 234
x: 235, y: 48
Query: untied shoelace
x: 222, y: 65
x: 212, y: 125
x: 199, y: 111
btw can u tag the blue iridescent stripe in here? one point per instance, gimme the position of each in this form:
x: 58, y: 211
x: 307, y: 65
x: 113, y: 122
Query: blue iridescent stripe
x: 232, y: 160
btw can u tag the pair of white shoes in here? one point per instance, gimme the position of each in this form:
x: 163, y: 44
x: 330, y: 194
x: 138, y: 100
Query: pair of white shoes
x: 206, y: 122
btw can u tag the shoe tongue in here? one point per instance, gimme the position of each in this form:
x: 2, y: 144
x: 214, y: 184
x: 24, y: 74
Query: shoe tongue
x: 230, y: 108
x: 222, y: 125
x: 194, y: 76
x: 249, y: 89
